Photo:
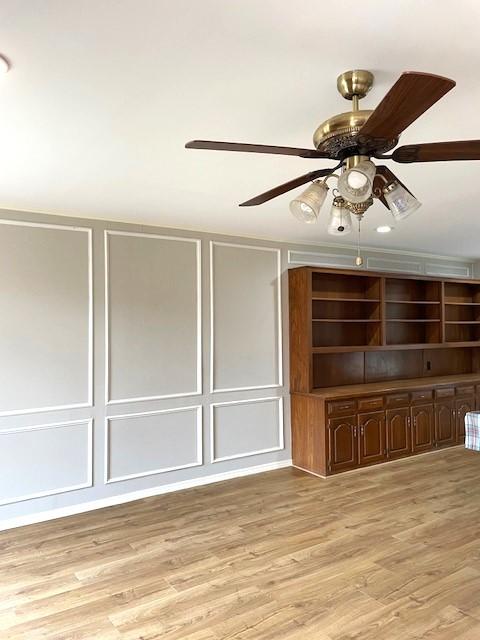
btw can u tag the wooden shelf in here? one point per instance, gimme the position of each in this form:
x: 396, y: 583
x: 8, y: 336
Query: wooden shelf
x: 396, y: 385
x: 412, y: 320
x: 344, y: 320
x: 403, y: 326
x: 413, y: 301
x: 462, y: 304
x: 397, y: 347
x: 326, y: 299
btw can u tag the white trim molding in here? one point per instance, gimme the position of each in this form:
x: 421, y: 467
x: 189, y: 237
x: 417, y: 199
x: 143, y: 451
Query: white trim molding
x: 397, y: 266
x: 279, y: 382
x: 56, y: 425
x: 198, y: 439
x: 199, y: 387
x: 449, y: 271
x: 322, y: 259
x: 247, y: 454
x: 83, y: 507
x: 89, y: 402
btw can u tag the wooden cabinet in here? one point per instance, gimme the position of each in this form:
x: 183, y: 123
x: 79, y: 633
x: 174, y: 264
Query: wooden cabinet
x: 399, y: 433
x: 422, y: 427
x: 462, y: 406
x: 445, y: 422
x: 342, y: 443
x: 371, y: 437
x: 382, y: 365
x: 331, y: 435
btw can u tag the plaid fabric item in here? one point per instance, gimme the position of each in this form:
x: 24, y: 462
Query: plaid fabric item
x: 472, y: 430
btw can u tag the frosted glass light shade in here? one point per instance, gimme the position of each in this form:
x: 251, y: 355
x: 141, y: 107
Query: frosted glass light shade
x: 400, y: 202
x: 308, y: 204
x: 340, y: 223
x: 355, y: 184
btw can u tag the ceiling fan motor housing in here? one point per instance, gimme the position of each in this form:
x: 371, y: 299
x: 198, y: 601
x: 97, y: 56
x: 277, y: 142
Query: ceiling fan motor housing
x: 338, y: 136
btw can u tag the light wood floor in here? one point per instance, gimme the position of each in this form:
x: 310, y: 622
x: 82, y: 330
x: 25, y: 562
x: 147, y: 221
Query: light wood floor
x: 390, y: 553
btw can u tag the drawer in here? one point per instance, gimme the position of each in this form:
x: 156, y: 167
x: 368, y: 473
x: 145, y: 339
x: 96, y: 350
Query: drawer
x: 398, y: 400
x: 466, y: 391
x: 446, y: 392
x: 373, y: 402
x: 336, y: 407
x: 420, y: 397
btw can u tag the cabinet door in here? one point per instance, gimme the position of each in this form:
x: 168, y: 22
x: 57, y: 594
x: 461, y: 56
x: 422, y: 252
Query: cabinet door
x: 444, y: 422
x: 422, y: 428
x: 342, y: 443
x: 462, y: 406
x: 399, y: 440
x: 371, y: 439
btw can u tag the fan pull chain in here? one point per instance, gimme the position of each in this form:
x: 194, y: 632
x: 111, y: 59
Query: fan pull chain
x: 358, y: 259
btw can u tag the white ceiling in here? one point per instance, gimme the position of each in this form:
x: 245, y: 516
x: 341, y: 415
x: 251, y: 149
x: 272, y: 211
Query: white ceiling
x: 103, y: 95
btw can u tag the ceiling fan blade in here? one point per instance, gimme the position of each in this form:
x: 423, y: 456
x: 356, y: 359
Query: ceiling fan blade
x: 379, y: 183
x: 438, y: 151
x: 255, y: 148
x: 411, y: 95
x: 287, y: 186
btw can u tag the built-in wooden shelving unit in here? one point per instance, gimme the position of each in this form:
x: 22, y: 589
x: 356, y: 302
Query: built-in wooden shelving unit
x: 355, y: 332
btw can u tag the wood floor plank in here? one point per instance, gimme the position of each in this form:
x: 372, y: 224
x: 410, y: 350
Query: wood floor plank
x: 391, y: 553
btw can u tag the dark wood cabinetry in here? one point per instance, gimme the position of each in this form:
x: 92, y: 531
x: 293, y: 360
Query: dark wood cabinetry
x: 422, y: 420
x: 445, y: 423
x: 343, y: 448
x: 398, y: 432
x: 382, y: 365
x: 371, y: 437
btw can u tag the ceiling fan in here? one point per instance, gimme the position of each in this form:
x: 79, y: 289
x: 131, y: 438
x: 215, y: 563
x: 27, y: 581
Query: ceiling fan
x: 352, y: 139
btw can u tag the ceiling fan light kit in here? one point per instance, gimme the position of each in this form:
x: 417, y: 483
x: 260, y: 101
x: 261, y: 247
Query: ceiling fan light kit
x: 340, y: 220
x: 352, y: 139
x: 356, y: 183
x: 308, y: 204
x: 400, y: 202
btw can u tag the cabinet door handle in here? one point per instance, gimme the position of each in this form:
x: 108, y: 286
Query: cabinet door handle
x: 361, y: 430
x: 453, y: 413
x: 354, y: 432
x: 409, y: 422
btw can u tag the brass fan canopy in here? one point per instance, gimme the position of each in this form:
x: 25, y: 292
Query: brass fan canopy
x: 355, y: 83
x: 340, y: 133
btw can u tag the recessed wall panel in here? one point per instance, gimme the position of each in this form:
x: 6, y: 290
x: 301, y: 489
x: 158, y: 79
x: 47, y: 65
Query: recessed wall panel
x: 245, y: 317
x: 153, y: 323
x: 243, y: 428
x: 44, y: 460
x: 388, y: 264
x: 144, y: 444
x: 45, y: 317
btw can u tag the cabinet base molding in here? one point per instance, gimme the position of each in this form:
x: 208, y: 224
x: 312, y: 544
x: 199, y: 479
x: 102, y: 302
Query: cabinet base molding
x: 411, y: 458
x: 312, y: 473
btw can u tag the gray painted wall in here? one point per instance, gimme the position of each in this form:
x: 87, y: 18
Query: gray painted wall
x: 135, y: 360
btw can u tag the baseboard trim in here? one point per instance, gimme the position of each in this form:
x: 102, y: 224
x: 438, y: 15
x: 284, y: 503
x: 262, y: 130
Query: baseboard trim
x: 312, y: 473
x: 83, y: 507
